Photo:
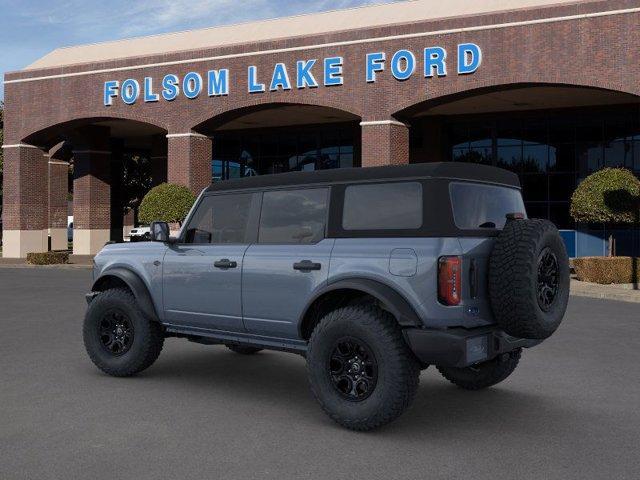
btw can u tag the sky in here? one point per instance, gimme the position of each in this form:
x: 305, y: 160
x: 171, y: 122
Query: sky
x: 30, y: 29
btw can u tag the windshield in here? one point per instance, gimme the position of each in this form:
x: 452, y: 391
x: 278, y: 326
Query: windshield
x: 483, y: 206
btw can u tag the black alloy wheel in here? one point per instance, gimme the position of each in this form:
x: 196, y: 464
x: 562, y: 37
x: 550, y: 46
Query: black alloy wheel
x: 120, y: 339
x: 361, y: 370
x: 548, y: 271
x: 353, y: 369
x: 116, y: 333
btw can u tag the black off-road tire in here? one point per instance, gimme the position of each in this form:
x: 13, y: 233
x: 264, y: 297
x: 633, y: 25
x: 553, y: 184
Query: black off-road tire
x: 397, y: 370
x: 243, y: 349
x: 146, y: 344
x: 515, y: 268
x: 484, y: 374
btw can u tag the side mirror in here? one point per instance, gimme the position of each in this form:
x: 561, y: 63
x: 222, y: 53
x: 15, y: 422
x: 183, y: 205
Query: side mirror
x: 159, y: 232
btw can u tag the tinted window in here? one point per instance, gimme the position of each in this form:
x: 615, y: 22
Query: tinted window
x: 483, y: 206
x: 220, y: 219
x: 293, y: 216
x: 388, y: 206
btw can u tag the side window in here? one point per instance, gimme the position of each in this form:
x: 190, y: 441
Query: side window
x: 383, y: 206
x: 220, y: 219
x: 294, y: 216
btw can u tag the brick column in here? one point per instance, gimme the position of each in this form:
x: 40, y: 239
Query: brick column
x: 384, y: 143
x: 91, y: 200
x: 25, y: 201
x: 58, y: 190
x: 91, y: 189
x: 189, y: 160
x: 158, y: 160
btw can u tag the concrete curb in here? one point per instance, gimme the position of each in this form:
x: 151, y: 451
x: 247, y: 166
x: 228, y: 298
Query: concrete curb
x: 621, y: 293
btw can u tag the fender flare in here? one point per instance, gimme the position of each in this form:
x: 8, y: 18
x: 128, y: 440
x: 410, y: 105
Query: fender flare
x: 397, y: 305
x: 135, y: 284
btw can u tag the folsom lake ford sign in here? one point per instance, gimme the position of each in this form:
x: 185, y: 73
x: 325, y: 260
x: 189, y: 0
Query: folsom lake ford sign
x: 311, y: 73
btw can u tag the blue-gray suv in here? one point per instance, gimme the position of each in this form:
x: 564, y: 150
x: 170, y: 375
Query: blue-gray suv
x: 371, y: 274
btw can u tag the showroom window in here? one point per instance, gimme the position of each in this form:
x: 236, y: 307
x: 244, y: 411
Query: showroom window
x: 253, y: 152
x: 550, y: 151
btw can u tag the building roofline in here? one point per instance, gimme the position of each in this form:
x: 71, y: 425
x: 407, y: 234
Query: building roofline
x: 80, y: 69
x: 228, y: 25
x: 310, y: 24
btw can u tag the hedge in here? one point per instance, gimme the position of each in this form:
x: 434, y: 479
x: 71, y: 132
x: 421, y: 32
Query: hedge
x: 167, y: 203
x: 610, y: 195
x: 48, y: 258
x: 607, y: 270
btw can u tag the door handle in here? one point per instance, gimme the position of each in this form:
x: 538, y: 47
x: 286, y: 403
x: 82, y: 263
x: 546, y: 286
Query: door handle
x: 306, y: 266
x: 225, y: 263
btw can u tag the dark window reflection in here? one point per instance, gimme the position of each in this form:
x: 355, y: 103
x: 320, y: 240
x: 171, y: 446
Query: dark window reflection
x: 534, y: 187
x: 259, y: 152
x: 551, y: 151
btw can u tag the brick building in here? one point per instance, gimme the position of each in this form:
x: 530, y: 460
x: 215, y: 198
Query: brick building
x: 547, y: 88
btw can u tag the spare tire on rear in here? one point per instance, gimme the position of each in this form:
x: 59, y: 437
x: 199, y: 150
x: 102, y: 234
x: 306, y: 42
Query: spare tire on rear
x: 529, y: 279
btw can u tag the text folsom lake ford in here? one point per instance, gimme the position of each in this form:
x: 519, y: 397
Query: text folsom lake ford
x: 402, y: 65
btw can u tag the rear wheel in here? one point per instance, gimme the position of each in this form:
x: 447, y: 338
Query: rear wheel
x: 243, y: 349
x: 483, y: 375
x: 118, y: 337
x: 361, y: 371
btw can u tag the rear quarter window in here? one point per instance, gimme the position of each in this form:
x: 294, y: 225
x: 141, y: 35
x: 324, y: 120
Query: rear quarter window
x: 476, y: 206
x: 384, y: 206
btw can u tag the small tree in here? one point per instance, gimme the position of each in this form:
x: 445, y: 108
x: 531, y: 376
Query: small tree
x: 167, y: 203
x: 609, y: 196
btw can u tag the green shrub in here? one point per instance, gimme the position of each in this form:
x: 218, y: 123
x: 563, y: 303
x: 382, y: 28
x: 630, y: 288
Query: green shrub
x: 607, y: 270
x: 167, y: 203
x: 48, y: 258
x: 610, y: 195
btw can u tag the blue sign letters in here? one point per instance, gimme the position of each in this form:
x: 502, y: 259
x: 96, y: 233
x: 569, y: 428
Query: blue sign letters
x: 404, y: 63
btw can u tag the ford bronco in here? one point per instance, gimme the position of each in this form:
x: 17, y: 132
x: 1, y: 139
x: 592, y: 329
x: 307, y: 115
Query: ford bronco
x: 371, y: 274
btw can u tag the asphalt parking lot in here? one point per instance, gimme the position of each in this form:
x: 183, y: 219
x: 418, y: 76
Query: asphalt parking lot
x: 571, y: 410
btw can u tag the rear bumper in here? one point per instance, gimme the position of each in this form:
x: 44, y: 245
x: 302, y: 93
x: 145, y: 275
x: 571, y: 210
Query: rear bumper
x: 460, y: 347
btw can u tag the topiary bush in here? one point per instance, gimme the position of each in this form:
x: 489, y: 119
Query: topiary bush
x: 607, y: 270
x: 48, y: 258
x: 167, y: 203
x: 610, y: 195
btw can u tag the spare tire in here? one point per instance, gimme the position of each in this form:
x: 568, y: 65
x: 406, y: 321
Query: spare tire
x: 529, y: 279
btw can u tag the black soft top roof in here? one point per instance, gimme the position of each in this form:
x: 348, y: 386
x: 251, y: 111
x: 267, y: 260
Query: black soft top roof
x: 450, y: 170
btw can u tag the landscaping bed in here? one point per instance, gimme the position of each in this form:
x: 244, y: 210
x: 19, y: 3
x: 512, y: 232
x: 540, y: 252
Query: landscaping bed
x: 48, y: 258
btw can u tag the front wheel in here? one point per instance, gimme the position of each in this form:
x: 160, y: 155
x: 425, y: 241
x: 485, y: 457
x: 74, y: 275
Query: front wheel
x: 361, y: 371
x: 483, y: 375
x: 118, y: 337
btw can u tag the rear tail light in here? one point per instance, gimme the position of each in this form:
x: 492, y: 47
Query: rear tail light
x: 449, y: 280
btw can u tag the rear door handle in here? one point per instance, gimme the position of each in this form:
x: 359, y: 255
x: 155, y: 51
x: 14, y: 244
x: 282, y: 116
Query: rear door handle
x: 306, y: 266
x: 225, y: 264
